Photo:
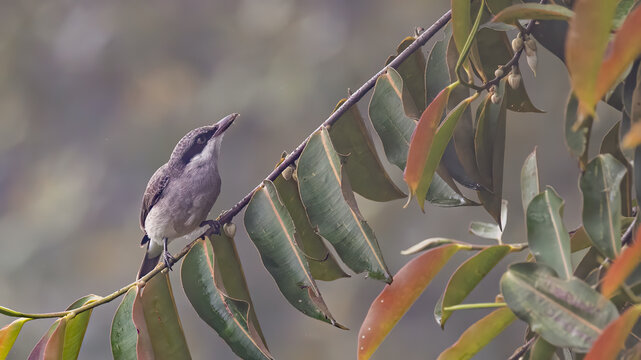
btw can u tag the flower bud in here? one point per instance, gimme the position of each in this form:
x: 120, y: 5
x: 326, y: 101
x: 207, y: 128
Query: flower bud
x: 295, y: 176
x: 514, y: 79
x: 517, y: 44
x: 530, y: 47
x: 229, y: 229
x: 498, y: 72
x: 287, y: 173
x: 495, y: 98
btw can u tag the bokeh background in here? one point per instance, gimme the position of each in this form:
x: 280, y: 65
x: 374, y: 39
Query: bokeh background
x: 95, y: 94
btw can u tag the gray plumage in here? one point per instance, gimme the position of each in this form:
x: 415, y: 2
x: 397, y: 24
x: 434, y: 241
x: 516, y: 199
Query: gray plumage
x: 181, y: 192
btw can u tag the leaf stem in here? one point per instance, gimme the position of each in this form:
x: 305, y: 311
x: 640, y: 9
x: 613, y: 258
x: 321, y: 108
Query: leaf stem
x: 474, y: 306
x: 466, y: 49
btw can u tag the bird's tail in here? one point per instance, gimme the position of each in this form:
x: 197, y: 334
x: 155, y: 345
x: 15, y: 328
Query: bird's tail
x: 148, y: 263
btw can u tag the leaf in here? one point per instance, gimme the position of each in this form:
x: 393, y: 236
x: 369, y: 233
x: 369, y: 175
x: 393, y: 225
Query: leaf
x: 331, y: 208
x: 610, y: 145
x: 76, y: 328
x: 621, y: 268
x: 421, y: 142
x: 600, y: 184
x: 412, y: 70
x: 633, y: 137
x: 478, y: 335
x: 577, y: 140
x: 441, y: 193
x: 366, y: 172
x: 622, y: 11
x: 566, y: 313
x: 612, y: 340
x: 396, y: 298
x: 437, y: 77
x: 485, y: 230
x: 541, y: 350
x: 548, y: 239
x: 161, y: 322
x: 271, y: 228
x: 123, y: 331
x: 215, y: 285
x: 431, y: 243
x: 440, y: 140
x: 468, y: 275
x: 51, y: 344
x: 624, y: 49
x: 585, y: 46
x: 533, y: 11
x: 322, y: 263
x: 489, y: 142
x: 496, y: 6
x: 8, y: 335
x: 389, y: 119
x: 461, y: 23
x: 529, y: 180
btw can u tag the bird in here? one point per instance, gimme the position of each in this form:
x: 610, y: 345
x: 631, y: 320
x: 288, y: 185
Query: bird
x: 181, y: 193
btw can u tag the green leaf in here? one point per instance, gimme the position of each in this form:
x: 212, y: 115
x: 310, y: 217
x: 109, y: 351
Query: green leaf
x: 529, y: 180
x: 366, y: 172
x: 214, y: 283
x: 461, y: 23
x: 533, y: 11
x: 541, y: 350
x: 436, y: 70
x: 548, y: 239
x: 271, y: 228
x: 496, y: 6
x: 396, y: 298
x: 622, y: 11
x: 486, y: 230
x: 478, y: 335
x: 331, y: 207
x: 600, y: 185
x: 551, y: 35
x: 577, y: 140
x: 161, y: 321
x: 566, y: 313
x: 468, y: 275
x: 322, y: 263
x: 442, y: 194
x: 51, y: 344
x: 76, y: 327
x: 123, y: 331
x: 489, y: 142
x: 8, y: 335
x: 610, y: 145
x: 412, y: 70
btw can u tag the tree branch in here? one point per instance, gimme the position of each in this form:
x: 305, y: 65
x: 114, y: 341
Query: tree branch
x: 228, y: 215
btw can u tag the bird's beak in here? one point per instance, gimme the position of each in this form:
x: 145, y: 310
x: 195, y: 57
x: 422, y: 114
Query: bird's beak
x: 225, y: 123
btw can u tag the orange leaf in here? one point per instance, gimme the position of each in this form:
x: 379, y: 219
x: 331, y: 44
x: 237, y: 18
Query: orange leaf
x: 612, y: 339
x: 395, y: 299
x: 585, y: 44
x: 8, y: 335
x: 622, y: 266
x: 625, y: 47
x: 633, y: 137
x: 422, y: 138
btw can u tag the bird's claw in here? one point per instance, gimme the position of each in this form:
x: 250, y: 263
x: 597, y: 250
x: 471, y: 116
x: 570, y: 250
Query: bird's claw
x: 168, y: 259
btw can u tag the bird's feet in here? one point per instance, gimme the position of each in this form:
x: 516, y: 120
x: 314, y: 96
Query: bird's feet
x: 214, y: 225
x: 168, y: 259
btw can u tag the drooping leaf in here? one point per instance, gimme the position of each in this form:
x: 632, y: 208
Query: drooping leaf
x: 548, y: 239
x: 421, y: 143
x: 625, y: 48
x: 322, y: 263
x: 489, y: 142
x: 485, y: 230
x: 51, y: 344
x: 610, y: 145
x: 366, y: 172
x: 529, y: 180
x: 566, y: 313
x: 533, y: 11
x: 412, y: 70
x: 436, y: 69
x: 123, y: 331
x: 162, y: 325
x: 600, y: 184
x: 577, y: 140
x: 271, y: 228
x: 468, y: 275
x: 76, y: 327
x: 333, y: 210
x: 442, y: 194
x: 215, y: 285
x: 612, y: 340
x: 621, y: 268
x: 396, y: 298
x: 478, y: 335
x: 431, y: 243
x: 585, y: 44
x: 461, y: 23
x: 8, y: 335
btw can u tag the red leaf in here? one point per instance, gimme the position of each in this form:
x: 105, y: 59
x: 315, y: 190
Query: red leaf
x: 612, y: 339
x: 395, y: 299
x: 625, y: 47
x: 51, y: 344
x: 622, y: 266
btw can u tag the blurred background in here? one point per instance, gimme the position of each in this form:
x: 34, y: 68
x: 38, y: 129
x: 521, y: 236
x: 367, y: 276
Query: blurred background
x: 95, y: 94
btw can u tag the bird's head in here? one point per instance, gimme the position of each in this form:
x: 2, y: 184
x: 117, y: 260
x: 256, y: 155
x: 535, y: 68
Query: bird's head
x: 201, y: 145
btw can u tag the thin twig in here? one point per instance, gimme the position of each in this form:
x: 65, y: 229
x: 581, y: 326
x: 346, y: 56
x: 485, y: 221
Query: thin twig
x: 228, y: 215
x: 521, y: 350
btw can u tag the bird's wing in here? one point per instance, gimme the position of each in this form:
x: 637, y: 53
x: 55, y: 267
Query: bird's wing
x: 153, y: 193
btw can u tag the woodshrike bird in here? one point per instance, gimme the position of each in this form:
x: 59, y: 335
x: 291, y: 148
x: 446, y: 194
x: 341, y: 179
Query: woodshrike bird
x: 181, y: 192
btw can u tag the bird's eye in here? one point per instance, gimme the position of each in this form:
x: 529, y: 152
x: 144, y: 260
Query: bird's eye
x: 200, y: 140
